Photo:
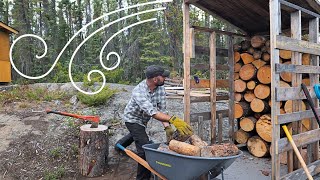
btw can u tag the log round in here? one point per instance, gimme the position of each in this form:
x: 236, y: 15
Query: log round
x: 236, y: 76
x: 264, y: 127
x: 237, y: 67
x: 257, y: 146
x: 284, y: 84
x: 264, y: 74
x: 266, y: 56
x: 251, y: 85
x: 247, y: 72
x: 258, y: 41
x: 262, y: 91
x: 257, y: 55
x: 249, y: 96
x: 245, y: 45
x: 246, y: 58
x: 241, y: 109
x: 241, y: 136
x: 305, y: 59
x: 236, y: 57
x: 285, y: 54
x: 259, y: 106
x: 250, y: 50
x: 240, y: 85
x: 306, y: 81
x: 236, y: 47
x: 288, y: 106
x: 248, y: 123
x: 184, y: 148
x: 286, y: 76
x: 238, y: 97
x: 94, y: 149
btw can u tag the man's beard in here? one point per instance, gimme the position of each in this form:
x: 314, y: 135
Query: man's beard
x: 159, y: 83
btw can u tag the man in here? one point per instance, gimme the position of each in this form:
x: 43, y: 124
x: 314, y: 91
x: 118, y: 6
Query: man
x: 148, y: 100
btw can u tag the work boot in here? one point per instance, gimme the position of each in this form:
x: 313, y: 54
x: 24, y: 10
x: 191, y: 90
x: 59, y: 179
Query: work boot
x: 125, y: 142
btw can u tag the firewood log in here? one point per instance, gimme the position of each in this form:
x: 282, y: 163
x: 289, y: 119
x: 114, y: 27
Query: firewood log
x: 286, y: 76
x: 264, y: 74
x: 248, y: 123
x: 236, y: 47
x: 184, y: 148
x: 240, y: 85
x: 237, y: 67
x: 262, y: 91
x: 241, y: 136
x: 249, y: 96
x: 285, y: 54
x: 284, y: 84
x: 250, y: 50
x: 238, y: 97
x: 266, y: 56
x: 306, y: 81
x: 245, y: 45
x: 251, y: 85
x: 246, y: 58
x: 259, y: 63
x: 288, y: 106
x: 259, y: 106
x: 196, y: 141
x: 247, y: 72
x: 267, y: 44
x: 258, y: 41
x: 264, y: 127
x: 241, y: 109
x: 237, y: 57
x: 236, y: 76
x: 264, y: 49
x: 257, y: 55
x: 257, y: 146
x: 305, y: 59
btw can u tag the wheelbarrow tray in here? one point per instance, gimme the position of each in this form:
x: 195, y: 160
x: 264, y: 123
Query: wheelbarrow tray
x: 182, y: 167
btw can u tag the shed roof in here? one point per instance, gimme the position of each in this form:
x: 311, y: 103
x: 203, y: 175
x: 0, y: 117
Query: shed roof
x: 252, y: 16
x: 8, y: 29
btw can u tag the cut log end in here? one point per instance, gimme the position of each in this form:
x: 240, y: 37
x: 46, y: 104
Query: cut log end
x: 257, y: 146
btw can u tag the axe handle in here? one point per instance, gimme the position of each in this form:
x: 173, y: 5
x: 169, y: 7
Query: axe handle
x: 310, y: 101
x: 95, y: 119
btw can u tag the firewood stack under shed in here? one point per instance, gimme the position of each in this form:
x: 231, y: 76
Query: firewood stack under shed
x: 252, y: 76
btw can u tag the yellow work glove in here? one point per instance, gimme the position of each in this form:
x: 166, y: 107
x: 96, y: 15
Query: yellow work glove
x: 169, y: 133
x: 182, y: 127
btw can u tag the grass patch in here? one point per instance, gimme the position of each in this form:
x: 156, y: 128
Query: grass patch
x: 56, y: 152
x: 55, y: 175
x: 97, y: 99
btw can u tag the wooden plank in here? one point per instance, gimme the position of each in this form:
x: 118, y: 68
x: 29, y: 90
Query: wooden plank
x: 213, y: 92
x: 286, y: 3
x: 211, y: 30
x: 292, y: 93
x: 300, y: 140
x: 186, y: 64
x: 275, y: 28
x: 297, y: 69
x: 192, y: 43
x: 314, y: 168
x: 219, y: 67
x: 297, y: 45
x: 205, y: 83
x: 313, y: 149
x: 5, y: 71
x: 207, y: 115
x: 10, y: 29
x: 220, y: 51
x: 220, y: 130
x: 5, y: 46
x: 231, y: 87
x: 296, y: 116
x: 206, y: 98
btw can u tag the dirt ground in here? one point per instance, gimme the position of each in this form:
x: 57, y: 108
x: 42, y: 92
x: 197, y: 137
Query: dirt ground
x: 36, y: 145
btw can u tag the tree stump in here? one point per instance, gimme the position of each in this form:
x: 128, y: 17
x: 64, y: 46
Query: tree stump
x: 94, y: 149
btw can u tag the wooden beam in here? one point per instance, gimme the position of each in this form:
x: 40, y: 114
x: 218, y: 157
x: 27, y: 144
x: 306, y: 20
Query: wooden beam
x: 292, y: 93
x: 219, y: 67
x: 207, y: 115
x: 205, y: 83
x: 314, y: 169
x: 231, y: 87
x: 286, y: 3
x: 8, y: 28
x: 297, y: 45
x: 206, y: 98
x: 191, y: 1
x: 213, y: 87
x: 210, y: 30
x: 295, y: 116
x: 220, y: 52
x: 300, y: 69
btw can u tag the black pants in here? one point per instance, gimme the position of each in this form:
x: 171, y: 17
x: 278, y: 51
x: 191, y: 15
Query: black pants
x: 139, y: 136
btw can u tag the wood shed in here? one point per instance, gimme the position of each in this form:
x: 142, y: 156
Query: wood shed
x: 291, y: 26
x: 5, y: 67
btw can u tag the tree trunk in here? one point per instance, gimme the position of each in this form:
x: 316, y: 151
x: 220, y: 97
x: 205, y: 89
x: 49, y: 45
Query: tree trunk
x: 264, y: 127
x: 248, y: 123
x: 257, y: 146
x: 94, y: 149
x: 262, y: 91
x: 246, y: 58
x: 241, y: 136
x: 184, y: 148
x: 247, y: 72
x: 259, y: 106
x: 264, y: 74
x: 241, y: 109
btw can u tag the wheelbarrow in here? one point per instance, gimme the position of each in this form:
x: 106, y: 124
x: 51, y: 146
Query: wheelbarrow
x: 181, y: 167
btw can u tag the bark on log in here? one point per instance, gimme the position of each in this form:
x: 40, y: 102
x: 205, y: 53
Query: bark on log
x: 286, y: 76
x: 259, y: 63
x: 250, y: 50
x: 264, y: 127
x: 184, y: 148
x: 267, y: 44
x: 236, y: 57
x: 219, y: 150
x: 251, y: 85
x: 259, y: 106
x: 258, y: 41
x: 305, y: 59
x: 247, y: 72
x: 245, y: 45
x: 262, y: 91
x: 257, y: 146
x: 238, y: 97
x: 248, y: 123
x: 246, y: 58
x: 237, y: 67
x: 264, y: 49
x: 241, y: 109
x: 266, y: 56
x: 236, y: 76
x: 285, y: 54
x: 257, y: 55
x: 240, y: 85
x: 94, y: 150
x: 196, y: 141
x: 264, y: 74
x: 249, y: 96
x: 241, y: 136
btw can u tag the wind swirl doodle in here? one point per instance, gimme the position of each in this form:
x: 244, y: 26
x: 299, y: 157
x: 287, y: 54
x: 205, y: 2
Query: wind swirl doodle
x: 85, y: 40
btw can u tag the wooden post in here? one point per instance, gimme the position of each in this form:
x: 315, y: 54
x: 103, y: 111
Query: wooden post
x: 186, y: 64
x: 213, y: 93
x: 200, y: 127
x: 231, y: 88
x: 314, y: 79
x: 94, y: 149
x: 275, y: 27
x: 220, y: 131
x: 296, y: 82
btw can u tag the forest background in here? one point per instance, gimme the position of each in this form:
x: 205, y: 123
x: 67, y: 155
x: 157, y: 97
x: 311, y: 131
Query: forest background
x: 56, y: 21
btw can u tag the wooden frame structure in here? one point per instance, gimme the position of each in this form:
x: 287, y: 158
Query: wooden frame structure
x: 292, y: 15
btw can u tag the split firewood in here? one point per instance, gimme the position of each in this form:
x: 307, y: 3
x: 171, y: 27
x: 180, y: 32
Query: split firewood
x: 246, y: 58
x: 184, y: 148
x: 259, y: 63
x: 196, y: 141
x: 219, y: 150
x: 237, y: 57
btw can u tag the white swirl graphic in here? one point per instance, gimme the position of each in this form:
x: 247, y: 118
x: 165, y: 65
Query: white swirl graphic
x: 76, y: 34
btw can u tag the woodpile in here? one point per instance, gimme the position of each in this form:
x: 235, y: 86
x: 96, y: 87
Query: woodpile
x: 252, y: 86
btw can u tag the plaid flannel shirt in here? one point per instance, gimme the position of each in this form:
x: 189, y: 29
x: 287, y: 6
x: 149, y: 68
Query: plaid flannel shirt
x: 144, y: 104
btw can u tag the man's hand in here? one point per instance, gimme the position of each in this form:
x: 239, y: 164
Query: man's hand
x: 182, y: 127
x: 169, y: 133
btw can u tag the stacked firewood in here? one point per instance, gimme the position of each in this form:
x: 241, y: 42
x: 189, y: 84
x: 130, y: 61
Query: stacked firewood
x: 252, y: 75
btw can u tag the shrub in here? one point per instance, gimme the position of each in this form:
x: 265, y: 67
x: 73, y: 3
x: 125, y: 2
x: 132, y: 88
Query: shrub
x: 97, y: 99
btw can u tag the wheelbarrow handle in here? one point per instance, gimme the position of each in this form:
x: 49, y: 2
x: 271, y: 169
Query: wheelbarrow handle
x: 140, y: 160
